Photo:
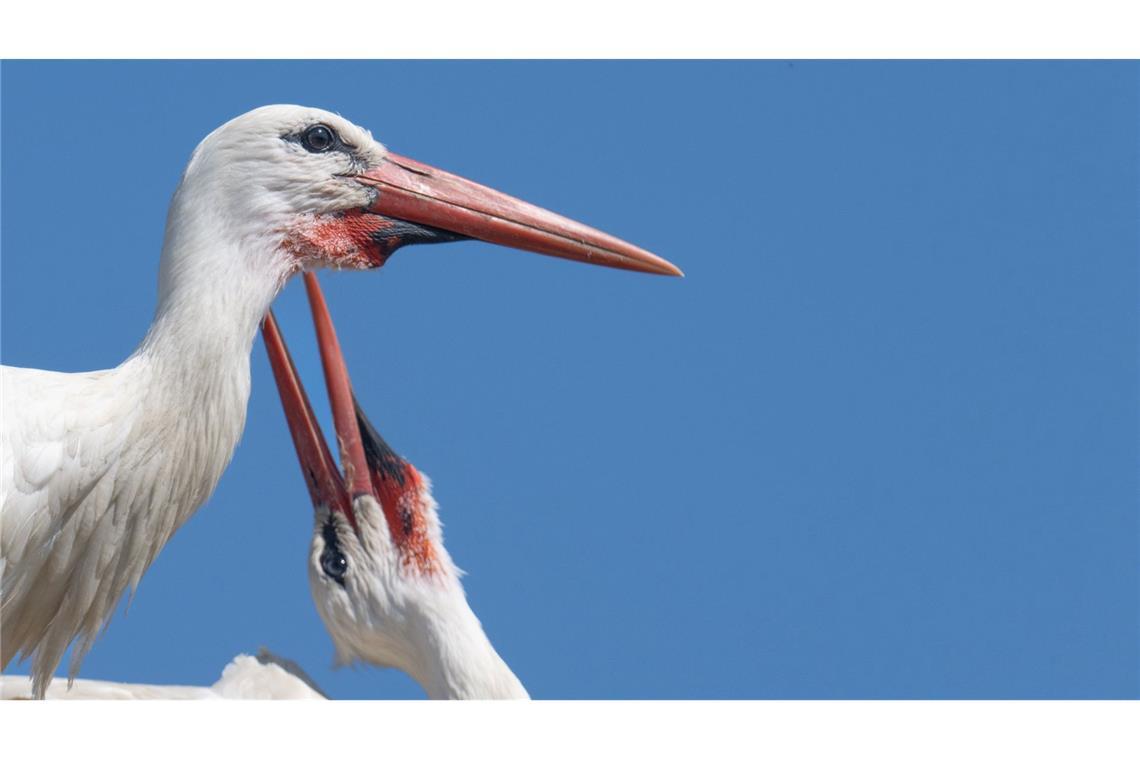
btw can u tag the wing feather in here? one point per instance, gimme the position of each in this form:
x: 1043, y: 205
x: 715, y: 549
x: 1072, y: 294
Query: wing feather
x: 60, y: 450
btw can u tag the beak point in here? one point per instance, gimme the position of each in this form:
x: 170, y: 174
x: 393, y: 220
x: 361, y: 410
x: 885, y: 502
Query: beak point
x: 414, y: 192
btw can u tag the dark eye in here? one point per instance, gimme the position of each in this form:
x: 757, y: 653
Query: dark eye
x: 333, y: 563
x: 318, y: 139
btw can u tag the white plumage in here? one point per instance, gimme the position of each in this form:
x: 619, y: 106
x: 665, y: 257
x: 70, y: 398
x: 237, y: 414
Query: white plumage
x: 92, y: 493
x: 391, y: 615
x: 385, y: 586
x: 99, y: 469
x: 265, y: 676
x: 383, y: 582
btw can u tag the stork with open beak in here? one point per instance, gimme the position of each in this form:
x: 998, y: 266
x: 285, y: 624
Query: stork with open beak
x: 384, y: 585
x: 99, y: 469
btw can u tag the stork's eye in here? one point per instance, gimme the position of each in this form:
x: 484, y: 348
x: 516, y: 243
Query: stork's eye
x: 332, y: 559
x: 333, y: 563
x: 318, y: 139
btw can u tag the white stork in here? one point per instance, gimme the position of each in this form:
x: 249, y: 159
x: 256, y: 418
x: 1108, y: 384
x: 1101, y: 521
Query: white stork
x: 98, y: 469
x: 384, y: 585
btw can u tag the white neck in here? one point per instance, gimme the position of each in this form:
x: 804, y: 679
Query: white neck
x: 455, y: 659
x: 216, y: 282
x: 395, y: 615
x: 190, y: 373
x: 163, y: 426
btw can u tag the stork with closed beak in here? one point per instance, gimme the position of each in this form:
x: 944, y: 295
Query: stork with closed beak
x: 99, y: 469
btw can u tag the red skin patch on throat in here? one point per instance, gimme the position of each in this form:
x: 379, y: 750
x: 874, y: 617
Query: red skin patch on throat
x: 406, y: 514
x: 347, y: 239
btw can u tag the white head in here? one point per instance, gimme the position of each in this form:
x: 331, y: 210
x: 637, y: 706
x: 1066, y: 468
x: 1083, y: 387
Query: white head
x: 284, y: 188
x: 267, y: 194
x: 276, y: 163
x: 383, y: 583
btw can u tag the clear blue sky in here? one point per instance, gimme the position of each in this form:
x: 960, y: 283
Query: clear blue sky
x: 880, y: 442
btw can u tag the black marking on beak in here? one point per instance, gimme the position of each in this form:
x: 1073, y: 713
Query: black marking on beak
x: 381, y: 458
x: 396, y: 233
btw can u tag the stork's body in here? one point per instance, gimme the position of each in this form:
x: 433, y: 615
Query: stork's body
x: 383, y: 582
x: 265, y: 676
x: 99, y: 469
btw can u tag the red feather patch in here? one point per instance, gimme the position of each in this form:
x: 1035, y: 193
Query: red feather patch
x: 346, y: 240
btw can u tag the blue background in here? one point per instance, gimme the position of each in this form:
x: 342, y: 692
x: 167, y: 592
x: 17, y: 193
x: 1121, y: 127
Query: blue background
x: 880, y: 442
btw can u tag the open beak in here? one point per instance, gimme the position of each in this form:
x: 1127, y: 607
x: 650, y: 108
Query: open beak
x: 322, y: 476
x: 417, y: 193
x: 367, y: 460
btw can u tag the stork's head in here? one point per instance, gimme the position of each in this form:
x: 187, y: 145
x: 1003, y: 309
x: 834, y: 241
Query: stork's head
x: 316, y: 190
x: 278, y: 172
x: 378, y: 570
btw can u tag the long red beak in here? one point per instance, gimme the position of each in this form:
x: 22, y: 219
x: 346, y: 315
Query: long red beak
x: 366, y: 458
x: 340, y: 392
x: 322, y: 476
x: 415, y: 192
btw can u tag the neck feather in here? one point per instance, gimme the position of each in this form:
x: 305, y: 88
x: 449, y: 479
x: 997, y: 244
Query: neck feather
x: 192, y: 368
x: 459, y: 661
x: 213, y: 290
